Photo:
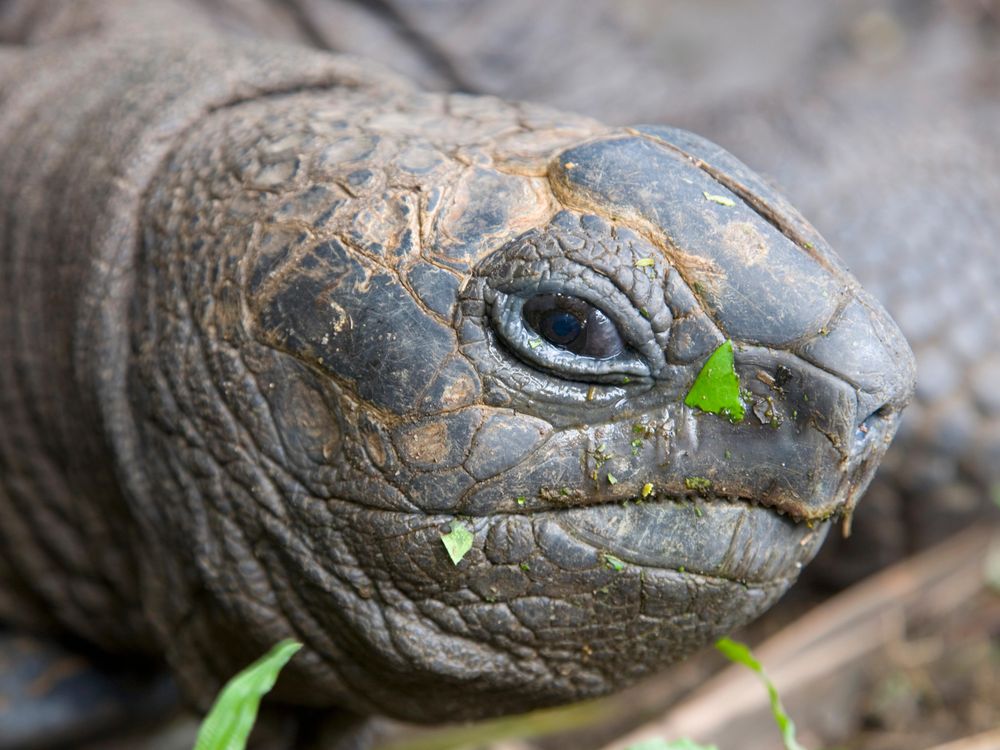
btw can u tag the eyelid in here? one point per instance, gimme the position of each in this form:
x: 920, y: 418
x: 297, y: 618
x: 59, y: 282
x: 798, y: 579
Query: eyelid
x: 510, y: 284
x: 510, y: 326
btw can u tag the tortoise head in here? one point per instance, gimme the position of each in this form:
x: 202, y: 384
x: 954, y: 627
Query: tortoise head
x: 492, y: 408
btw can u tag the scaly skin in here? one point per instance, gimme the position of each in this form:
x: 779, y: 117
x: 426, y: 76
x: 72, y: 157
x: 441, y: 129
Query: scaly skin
x: 265, y: 344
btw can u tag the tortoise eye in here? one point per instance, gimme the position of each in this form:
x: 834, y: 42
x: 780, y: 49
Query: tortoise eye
x: 573, y: 324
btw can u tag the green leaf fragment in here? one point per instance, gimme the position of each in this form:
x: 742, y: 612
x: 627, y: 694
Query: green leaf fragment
x: 699, y: 484
x: 521, y: 499
x: 717, y: 388
x: 722, y: 200
x: 612, y: 479
x: 613, y: 562
x: 681, y: 744
x: 647, y: 489
x: 644, y: 262
x: 231, y: 719
x: 739, y: 653
x: 535, y: 343
x: 457, y: 542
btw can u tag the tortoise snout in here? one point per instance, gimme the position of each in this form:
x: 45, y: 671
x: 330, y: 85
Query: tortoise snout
x: 863, y: 346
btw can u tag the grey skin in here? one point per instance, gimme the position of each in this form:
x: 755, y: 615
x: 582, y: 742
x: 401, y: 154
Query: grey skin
x: 264, y: 342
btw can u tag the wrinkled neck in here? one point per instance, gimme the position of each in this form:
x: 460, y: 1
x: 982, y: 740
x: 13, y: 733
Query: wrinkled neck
x: 84, y: 125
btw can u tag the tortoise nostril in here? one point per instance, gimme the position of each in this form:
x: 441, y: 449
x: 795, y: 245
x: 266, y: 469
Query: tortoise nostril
x: 875, y: 423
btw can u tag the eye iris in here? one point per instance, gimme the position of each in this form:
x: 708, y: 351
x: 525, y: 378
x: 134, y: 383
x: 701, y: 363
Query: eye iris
x: 573, y: 324
x: 561, y: 327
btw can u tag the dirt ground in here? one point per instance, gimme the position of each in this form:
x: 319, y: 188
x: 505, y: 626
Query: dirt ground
x: 939, y: 682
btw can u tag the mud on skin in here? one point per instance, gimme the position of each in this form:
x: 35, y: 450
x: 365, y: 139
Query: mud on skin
x: 354, y: 317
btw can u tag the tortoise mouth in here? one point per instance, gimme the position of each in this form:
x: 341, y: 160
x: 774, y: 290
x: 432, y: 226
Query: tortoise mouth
x: 737, y: 541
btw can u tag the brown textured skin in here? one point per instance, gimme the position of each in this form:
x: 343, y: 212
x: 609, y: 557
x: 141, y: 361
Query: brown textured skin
x: 43, y: 430
x: 227, y: 513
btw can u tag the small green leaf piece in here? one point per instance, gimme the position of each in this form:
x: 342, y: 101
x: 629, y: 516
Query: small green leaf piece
x: 612, y: 479
x: 228, y: 724
x: 521, y: 499
x: 458, y: 542
x: 699, y: 484
x: 739, y: 653
x: 647, y: 489
x: 722, y: 200
x: 644, y: 262
x: 717, y: 388
x: 535, y: 343
x: 615, y: 563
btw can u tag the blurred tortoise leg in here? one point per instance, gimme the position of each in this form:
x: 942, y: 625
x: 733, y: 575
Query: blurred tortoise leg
x: 52, y: 696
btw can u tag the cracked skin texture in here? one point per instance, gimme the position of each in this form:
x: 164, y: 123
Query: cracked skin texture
x: 265, y: 344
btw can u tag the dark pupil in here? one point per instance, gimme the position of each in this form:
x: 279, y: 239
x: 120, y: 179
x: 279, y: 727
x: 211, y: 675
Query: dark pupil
x: 561, y: 327
x: 573, y: 324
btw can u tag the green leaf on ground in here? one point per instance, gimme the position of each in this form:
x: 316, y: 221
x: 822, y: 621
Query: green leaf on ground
x: 991, y: 565
x: 739, y: 653
x: 717, y: 387
x: 228, y: 724
x: 683, y: 744
x: 458, y: 542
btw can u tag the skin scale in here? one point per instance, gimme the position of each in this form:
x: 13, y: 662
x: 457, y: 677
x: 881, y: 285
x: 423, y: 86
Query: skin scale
x: 267, y: 348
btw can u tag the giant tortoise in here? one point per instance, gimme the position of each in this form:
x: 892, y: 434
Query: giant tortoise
x: 277, y: 323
